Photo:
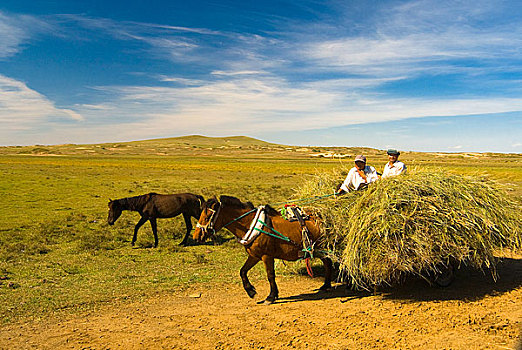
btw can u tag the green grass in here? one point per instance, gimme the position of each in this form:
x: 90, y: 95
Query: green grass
x: 57, y: 253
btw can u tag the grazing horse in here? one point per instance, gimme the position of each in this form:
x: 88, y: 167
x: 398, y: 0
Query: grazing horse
x: 153, y: 206
x: 237, y: 217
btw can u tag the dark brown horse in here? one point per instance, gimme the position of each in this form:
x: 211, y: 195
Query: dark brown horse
x: 228, y: 211
x: 154, y: 206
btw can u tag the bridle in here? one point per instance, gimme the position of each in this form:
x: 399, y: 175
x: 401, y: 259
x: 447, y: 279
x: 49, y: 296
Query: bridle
x: 209, y: 226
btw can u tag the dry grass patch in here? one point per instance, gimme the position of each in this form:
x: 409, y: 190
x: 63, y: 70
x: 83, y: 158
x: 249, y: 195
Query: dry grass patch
x: 415, y: 224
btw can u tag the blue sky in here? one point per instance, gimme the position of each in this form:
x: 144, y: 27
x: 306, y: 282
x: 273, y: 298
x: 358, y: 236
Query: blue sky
x: 416, y: 75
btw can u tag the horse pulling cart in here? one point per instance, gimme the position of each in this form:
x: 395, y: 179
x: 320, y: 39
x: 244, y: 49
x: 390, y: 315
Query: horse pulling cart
x: 266, y: 235
x: 424, y: 224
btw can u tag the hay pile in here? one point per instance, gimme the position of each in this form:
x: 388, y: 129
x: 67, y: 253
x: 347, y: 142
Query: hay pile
x: 414, y: 224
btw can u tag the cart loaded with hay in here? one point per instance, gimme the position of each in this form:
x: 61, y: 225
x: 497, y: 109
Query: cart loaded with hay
x: 422, y: 223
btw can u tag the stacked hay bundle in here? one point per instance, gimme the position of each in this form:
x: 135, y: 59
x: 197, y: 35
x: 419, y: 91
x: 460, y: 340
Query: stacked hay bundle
x: 415, y: 224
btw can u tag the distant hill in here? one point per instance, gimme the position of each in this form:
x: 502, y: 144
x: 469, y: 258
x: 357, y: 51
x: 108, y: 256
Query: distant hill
x: 199, y: 140
x: 225, y: 147
x: 193, y: 145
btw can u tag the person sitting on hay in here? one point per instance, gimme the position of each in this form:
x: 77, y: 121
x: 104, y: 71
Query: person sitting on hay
x: 393, y: 167
x: 359, y: 177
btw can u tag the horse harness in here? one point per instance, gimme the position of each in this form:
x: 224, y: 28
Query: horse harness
x: 256, y: 227
x: 294, y: 213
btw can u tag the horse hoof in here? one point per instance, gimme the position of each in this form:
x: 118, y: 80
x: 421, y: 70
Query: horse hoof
x: 251, y: 292
x: 268, y: 302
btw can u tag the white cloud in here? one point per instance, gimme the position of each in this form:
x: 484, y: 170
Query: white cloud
x: 246, y: 105
x: 17, y: 31
x: 181, y: 81
x: 128, y: 28
x: 176, y: 43
x: 351, y: 85
x: 232, y: 73
x: 74, y: 115
x: 428, y: 53
x: 202, y: 31
x: 22, y: 108
x: 420, y: 37
x: 11, y: 36
x: 243, y: 104
x: 94, y: 107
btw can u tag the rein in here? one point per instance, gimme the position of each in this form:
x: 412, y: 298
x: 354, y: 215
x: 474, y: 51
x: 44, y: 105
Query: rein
x: 277, y: 234
x: 214, y: 216
x: 240, y: 217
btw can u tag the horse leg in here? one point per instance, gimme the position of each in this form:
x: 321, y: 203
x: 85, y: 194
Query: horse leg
x: 154, y: 226
x: 137, y: 227
x: 188, y: 223
x: 270, y: 272
x: 249, y: 288
x: 328, y: 269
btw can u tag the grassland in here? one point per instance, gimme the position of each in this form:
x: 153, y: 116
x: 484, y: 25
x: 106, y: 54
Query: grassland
x: 57, y: 254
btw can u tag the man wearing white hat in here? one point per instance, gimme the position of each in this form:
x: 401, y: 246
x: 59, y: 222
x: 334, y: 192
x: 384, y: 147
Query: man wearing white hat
x: 359, y: 176
x: 393, y: 167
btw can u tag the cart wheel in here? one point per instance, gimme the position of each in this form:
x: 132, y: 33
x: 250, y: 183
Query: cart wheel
x: 445, y: 277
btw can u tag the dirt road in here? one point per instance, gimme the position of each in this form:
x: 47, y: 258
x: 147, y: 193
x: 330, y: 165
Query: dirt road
x: 473, y: 313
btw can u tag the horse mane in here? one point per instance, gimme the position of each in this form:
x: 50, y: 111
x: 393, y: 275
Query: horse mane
x: 271, y: 211
x: 233, y: 202
x: 136, y: 202
x: 210, y: 202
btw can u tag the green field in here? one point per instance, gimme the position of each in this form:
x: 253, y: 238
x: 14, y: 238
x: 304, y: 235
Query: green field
x: 57, y: 253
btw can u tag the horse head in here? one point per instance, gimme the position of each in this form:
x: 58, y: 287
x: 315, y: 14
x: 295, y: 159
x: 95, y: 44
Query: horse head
x: 115, y: 210
x: 209, y: 221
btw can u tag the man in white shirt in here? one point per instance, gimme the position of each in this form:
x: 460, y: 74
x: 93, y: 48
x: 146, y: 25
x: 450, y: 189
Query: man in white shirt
x: 393, y: 167
x: 359, y: 176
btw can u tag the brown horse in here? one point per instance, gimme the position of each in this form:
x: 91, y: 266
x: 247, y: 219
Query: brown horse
x: 228, y: 211
x: 152, y: 206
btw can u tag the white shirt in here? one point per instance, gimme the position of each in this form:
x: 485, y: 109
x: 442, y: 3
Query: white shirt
x: 394, y: 169
x: 354, y: 180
